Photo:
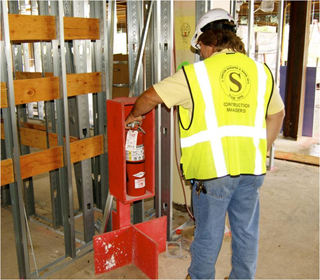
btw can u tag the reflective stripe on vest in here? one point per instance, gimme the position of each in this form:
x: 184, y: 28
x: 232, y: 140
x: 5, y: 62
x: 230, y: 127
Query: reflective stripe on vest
x: 214, y: 134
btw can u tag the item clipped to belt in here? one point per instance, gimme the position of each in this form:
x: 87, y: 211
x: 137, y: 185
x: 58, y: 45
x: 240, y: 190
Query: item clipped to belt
x: 200, y: 188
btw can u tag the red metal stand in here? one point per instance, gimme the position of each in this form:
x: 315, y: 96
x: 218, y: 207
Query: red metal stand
x: 139, y: 244
x: 121, y: 218
x: 117, y: 111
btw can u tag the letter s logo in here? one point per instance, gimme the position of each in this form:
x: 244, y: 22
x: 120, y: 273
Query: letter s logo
x: 235, y: 81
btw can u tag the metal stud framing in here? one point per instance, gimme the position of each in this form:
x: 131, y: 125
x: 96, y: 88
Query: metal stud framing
x: 22, y: 115
x: 52, y: 57
x: 159, y: 46
x: 201, y: 8
x: 134, y: 30
x: 135, y: 27
x: 79, y: 122
x: 50, y: 121
x: 164, y: 131
x: 95, y: 12
x: 101, y: 62
x: 250, y: 39
x: 64, y: 130
x: 12, y: 149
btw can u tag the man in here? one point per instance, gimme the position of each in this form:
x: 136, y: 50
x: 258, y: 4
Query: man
x: 230, y: 113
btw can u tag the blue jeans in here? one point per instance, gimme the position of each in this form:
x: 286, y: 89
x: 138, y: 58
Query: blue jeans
x: 239, y: 196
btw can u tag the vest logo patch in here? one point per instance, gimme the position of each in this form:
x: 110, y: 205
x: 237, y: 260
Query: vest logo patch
x: 235, y: 82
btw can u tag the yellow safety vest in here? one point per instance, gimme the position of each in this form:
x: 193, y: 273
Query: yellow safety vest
x: 226, y: 133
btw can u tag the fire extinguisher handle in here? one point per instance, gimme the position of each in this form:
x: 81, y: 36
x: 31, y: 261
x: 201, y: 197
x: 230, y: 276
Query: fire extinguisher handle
x: 136, y: 125
x: 141, y: 129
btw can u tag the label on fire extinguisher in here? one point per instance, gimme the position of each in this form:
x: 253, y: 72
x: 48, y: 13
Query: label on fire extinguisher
x: 131, y: 141
x: 139, y: 175
x: 139, y: 183
x: 134, y: 152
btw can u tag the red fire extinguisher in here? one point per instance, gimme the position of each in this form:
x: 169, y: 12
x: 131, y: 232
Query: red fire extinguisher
x: 135, y: 160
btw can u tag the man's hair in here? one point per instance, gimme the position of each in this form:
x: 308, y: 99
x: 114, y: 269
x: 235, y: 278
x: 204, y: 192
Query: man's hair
x: 222, y: 39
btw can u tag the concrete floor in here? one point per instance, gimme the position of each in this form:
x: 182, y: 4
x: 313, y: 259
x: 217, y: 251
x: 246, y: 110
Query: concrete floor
x: 289, y: 240
x: 289, y: 229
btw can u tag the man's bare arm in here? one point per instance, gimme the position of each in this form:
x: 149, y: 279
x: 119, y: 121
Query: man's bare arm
x: 144, y: 104
x: 274, y: 123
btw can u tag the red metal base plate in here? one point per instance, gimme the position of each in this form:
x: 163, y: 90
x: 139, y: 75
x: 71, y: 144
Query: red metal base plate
x: 139, y: 244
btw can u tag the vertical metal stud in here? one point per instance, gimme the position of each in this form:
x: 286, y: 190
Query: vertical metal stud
x: 83, y: 169
x: 95, y: 11
x: 250, y: 46
x: 138, y: 61
x: 26, y: 59
x: 233, y: 9
x: 13, y: 7
x: 136, y: 10
x: 5, y: 190
x: 157, y: 78
x: 164, y: 39
x: 201, y: 8
x: 106, y: 66
x: 107, y: 40
x: 22, y: 115
x: 13, y: 152
x: 63, y: 129
x: 134, y: 30
x: 102, y: 62
x: 112, y: 16
x: 37, y: 59
x: 50, y: 119
x: 150, y: 62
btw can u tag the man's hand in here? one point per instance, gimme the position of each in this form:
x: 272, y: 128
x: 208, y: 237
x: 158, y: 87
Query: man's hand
x: 131, y: 119
x: 144, y: 104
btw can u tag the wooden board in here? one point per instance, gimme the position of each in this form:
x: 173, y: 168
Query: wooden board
x: 28, y: 28
x: 31, y: 28
x: 41, y: 162
x: 4, y: 98
x: 297, y: 158
x: 77, y: 84
x: 31, y: 75
x: 120, y: 57
x: 121, y: 73
x: 37, y: 138
x: 120, y: 92
x: 31, y: 87
x: 83, y: 83
x: 53, y: 139
x: 34, y: 90
x: 35, y: 126
x: 6, y: 172
x: 33, y: 138
x: 86, y: 148
x: 81, y: 28
x: 2, y: 131
x: 51, y: 159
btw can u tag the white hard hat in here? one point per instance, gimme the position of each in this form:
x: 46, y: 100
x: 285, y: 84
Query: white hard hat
x: 210, y: 17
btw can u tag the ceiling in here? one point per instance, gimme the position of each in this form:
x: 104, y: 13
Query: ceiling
x: 270, y: 18
x: 261, y: 18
